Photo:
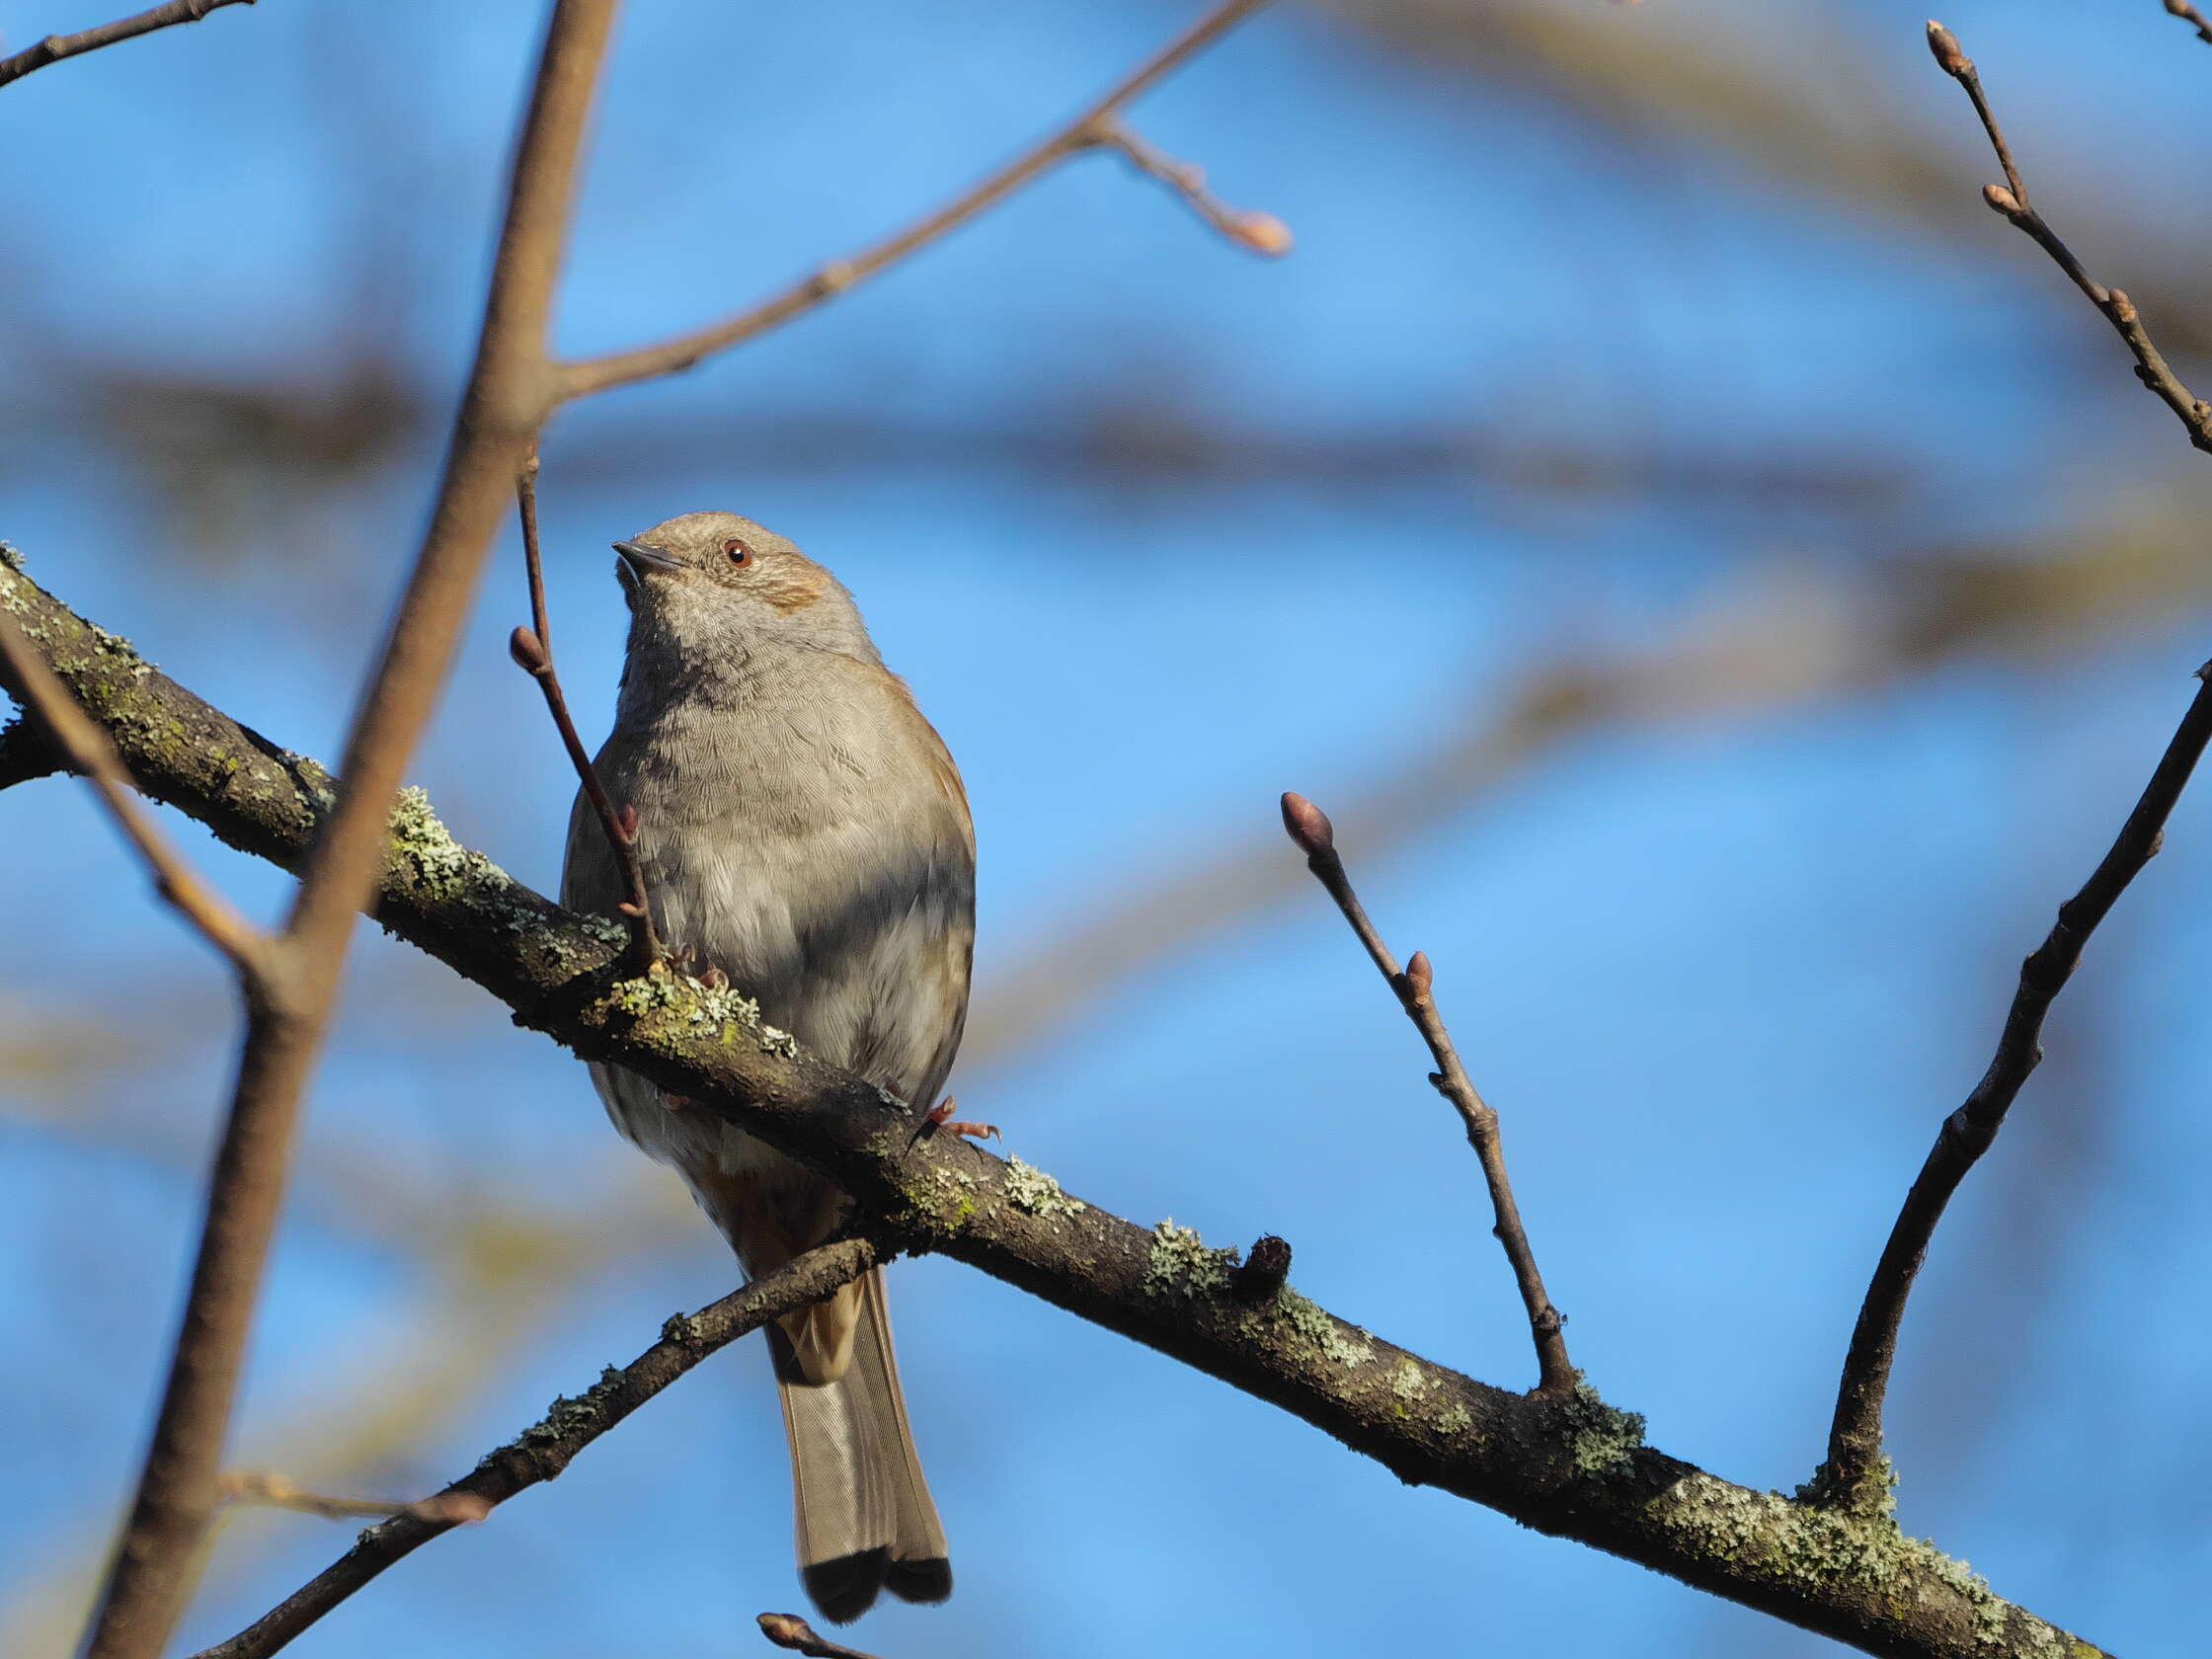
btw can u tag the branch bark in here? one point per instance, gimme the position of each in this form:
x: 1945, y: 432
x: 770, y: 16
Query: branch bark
x: 291, y: 1000
x: 1569, y: 1466
x: 55, y: 47
x: 1857, y: 1475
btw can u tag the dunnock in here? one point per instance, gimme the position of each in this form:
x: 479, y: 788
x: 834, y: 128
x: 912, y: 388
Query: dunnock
x: 801, y: 828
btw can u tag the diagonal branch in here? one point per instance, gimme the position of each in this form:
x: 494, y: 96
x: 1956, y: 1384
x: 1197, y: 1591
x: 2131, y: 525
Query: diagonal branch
x: 80, y: 744
x: 1310, y: 829
x: 623, y: 368
x: 1855, y: 1475
x: 2010, y: 199
x: 1568, y: 1466
x: 289, y: 1007
x: 55, y: 47
x: 543, y: 1451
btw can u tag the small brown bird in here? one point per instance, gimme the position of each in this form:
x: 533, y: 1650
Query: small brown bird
x: 802, y: 829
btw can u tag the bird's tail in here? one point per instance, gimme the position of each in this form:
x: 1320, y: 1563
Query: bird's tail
x: 866, y: 1518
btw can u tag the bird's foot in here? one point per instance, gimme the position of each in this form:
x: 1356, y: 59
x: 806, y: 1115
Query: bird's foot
x: 940, y: 1117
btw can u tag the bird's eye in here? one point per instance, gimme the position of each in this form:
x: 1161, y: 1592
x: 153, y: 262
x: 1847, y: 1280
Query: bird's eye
x: 739, y: 554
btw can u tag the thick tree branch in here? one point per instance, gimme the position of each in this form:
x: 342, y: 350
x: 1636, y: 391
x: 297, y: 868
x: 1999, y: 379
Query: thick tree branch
x: 82, y: 747
x: 290, y: 1001
x: 55, y: 47
x: 1855, y: 1475
x: 541, y: 1451
x: 1316, y: 836
x: 621, y: 368
x: 1568, y: 1466
x: 2010, y: 199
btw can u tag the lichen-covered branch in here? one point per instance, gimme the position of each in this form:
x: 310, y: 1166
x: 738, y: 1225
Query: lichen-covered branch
x: 545, y: 1448
x: 79, y: 743
x: 1568, y: 1465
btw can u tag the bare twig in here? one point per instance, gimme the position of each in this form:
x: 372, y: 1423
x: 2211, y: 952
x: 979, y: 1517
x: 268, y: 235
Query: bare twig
x: 2190, y: 14
x: 1309, y: 828
x: 621, y: 368
x: 2012, y: 201
x: 1855, y: 1475
x: 532, y: 650
x: 788, y: 1629
x: 275, y: 1491
x: 84, y: 746
x: 543, y: 1451
x: 508, y: 395
x: 55, y: 47
x: 1262, y: 233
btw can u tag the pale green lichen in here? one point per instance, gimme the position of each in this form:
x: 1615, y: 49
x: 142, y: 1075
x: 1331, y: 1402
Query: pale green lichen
x: 1602, y: 1439
x: 1324, y: 1332
x: 1034, y: 1193
x: 438, y: 866
x: 703, y: 1008
x: 11, y: 556
x: 1181, y: 1262
x: 1455, y: 1419
x: 1408, y: 1383
x: 1805, y: 1548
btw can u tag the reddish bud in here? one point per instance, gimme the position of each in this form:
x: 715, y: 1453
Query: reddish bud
x: 1309, y: 826
x: 528, y: 654
x: 1950, y: 57
x: 2002, y: 200
x: 1263, y: 233
x: 2122, y: 307
x: 786, y: 1630
x: 626, y: 821
x: 1419, y: 974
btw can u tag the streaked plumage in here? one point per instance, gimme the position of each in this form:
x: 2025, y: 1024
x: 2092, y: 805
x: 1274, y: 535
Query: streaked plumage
x: 801, y: 828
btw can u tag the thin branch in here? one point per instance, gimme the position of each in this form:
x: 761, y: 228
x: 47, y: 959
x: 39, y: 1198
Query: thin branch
x: 1568, y: 1466
x: 532, y: 650
x: 506, y: 399
x: 541, y: 1451
x: 1309, y: 828
x: 55, y: 47
x: 2190, y: 14
x: 80, y: 744
x: 1855, y: 1475
x: 789, y: 1631
x: 275, y: 1491
x: 2012, y: 201
x: 623, y: 368
x: 1262, y: 233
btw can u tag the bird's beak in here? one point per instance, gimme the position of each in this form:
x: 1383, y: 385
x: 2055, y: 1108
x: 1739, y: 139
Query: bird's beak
x: 643, y: 556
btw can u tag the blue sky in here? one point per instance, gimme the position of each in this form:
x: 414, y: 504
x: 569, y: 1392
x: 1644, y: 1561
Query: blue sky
x: 1534, y: 394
